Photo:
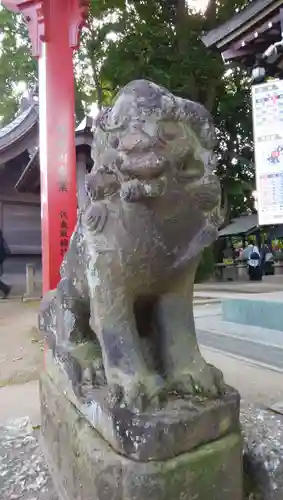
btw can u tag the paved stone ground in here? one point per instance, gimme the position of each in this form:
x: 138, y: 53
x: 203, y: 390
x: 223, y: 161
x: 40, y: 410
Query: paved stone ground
x: 19, y: 401
x: 23, y: 471
x: 261, y: 346
x: 263, y: 453
x: 268, y: 284
x: 20, y: 345
x: 21, y: 360
x: 256, y: 385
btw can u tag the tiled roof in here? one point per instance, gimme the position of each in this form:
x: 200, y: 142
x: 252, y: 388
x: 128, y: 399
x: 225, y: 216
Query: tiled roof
x: 15, y: 130
x: 83, y: 138
x: 242, y: 225
x: 238, y: 20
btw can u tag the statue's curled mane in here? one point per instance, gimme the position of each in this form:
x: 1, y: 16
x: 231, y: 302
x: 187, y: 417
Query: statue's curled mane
x: 147, y: 135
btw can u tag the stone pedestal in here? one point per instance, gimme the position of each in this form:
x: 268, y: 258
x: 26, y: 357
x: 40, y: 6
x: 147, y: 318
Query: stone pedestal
x: 242, y: 271
x: 131, y: 411
x: 229, y: 273
x: 85, y: 467
x: 30, y: 281
x: 278, y: 267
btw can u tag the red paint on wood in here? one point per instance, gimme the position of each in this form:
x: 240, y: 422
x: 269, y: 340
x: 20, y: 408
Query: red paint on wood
x: 54, y: 27
x: 78, y: 12
x: 35, y: 15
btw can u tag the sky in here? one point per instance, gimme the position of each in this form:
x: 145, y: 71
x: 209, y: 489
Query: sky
x: 198, y: 4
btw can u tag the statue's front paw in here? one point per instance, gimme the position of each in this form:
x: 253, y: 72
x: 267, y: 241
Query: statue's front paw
x: 135, y: 392
x: 198, y: 378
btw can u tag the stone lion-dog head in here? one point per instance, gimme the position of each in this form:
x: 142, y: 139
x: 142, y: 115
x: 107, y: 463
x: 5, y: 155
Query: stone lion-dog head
x: 149, y: 143
x: 150, y: 137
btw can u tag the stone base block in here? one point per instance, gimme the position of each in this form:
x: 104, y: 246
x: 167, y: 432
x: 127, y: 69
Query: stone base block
x: 85, y: 467
x: 179, y: 426
x: 278, y: 268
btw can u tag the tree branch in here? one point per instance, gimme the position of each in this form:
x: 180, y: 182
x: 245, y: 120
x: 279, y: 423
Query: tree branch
x: 211, y: 12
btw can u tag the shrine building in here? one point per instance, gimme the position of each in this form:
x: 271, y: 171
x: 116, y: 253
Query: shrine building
x: 20, y: 212
x: 246, y: 37
x: 251, y: 39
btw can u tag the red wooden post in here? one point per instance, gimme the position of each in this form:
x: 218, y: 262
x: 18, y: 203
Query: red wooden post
x: 54, y: 28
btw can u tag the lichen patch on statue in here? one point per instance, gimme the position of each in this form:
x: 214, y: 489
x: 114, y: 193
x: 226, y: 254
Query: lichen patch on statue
x: 128, y: 276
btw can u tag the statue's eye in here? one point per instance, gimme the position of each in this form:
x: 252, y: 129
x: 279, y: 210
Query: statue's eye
x: 169, y: 130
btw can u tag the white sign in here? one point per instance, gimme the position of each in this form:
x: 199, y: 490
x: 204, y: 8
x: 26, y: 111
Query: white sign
x: 267, y: 99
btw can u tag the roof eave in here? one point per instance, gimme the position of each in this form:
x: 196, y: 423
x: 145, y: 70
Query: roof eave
x: 231, y: 29
x: 17, y: 133
x: 84, y: 138
x: 32, y: 164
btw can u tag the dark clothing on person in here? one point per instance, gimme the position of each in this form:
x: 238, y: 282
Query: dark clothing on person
x: 267, y: 260
x: 4, y: 253
x: 255, y: 273
x: 254, y: 267
x: 5, y: 289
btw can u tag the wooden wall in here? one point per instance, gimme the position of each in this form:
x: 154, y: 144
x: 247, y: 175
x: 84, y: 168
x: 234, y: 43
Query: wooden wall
x: 20, y: 214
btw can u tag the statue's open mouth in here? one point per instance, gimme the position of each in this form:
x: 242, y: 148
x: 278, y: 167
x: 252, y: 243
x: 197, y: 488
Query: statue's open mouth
x: 190, y: 169
x: 144, y: 166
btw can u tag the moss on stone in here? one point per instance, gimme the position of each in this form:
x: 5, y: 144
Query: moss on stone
x: 204, y: 470
x: 86, y: 352
x: 89, y: 465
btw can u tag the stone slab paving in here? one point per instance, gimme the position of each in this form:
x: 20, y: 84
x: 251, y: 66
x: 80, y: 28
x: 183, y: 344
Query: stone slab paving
x: 269, y: 284
x: 263, y: 313
x: 23, y: 471
x: 211, y: 321
x: 243, y: 294
x: 262, y: 346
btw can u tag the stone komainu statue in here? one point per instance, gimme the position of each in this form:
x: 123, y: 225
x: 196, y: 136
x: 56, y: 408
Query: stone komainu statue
x: 126, y: 289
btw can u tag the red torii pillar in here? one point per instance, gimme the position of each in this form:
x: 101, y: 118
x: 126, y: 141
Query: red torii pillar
x: 54, y: 29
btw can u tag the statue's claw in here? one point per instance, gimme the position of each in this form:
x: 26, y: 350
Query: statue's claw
x: 137, y: 393
x: 199, y: 378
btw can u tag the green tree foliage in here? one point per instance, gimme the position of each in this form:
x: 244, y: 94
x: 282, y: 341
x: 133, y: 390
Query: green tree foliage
x: 16, y: 63
x: 206, y: 265
x: 159, y: 40
x: 235, y: 152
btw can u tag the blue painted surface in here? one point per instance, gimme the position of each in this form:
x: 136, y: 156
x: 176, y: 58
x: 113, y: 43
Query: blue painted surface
x: 266, y: 314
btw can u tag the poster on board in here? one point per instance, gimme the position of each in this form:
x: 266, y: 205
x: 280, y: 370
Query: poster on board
x: 267, y: 105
